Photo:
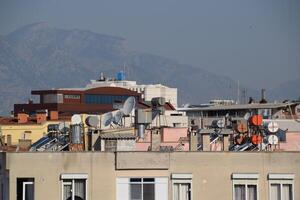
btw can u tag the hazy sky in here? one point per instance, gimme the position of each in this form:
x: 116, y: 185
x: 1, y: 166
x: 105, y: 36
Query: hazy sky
x: 255, y: 41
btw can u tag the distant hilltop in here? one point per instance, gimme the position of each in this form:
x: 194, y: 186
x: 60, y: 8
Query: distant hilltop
x: 38, y: 56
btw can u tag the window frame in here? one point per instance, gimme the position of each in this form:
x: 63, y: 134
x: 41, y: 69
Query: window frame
x: 245, y: 179
x: 157, y: 181
x: 177, y: 178
x: 24, y: 183
x: 73, y: 177
x: 142, y: 183
x: 24, y: 188
x: 281, y: 179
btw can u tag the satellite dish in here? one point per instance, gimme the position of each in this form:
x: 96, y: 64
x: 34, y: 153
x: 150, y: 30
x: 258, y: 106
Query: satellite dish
x: 63, y: 127
x: 117, y: 117
x: 273, y: 127
x: 273, y: 139
x: 107, y: 118
x: 76, y: 119
x: 128, y: 105
x: 247, y: 116
x: 92, y: 121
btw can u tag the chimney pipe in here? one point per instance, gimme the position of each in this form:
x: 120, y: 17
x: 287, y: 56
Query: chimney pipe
x: 263, y: 96
x: 22, y: 118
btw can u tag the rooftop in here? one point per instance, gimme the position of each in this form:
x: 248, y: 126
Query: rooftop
x: 239, y: 106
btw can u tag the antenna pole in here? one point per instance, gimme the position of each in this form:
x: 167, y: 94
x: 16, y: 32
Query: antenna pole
x: 238, y: 92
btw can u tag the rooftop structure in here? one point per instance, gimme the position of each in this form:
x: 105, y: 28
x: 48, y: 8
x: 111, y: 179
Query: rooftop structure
x: 147, y: 91
x: 77, y: 100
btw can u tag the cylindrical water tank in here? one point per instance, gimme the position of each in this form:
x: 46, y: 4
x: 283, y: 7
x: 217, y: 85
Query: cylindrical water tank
x: 141, y: 130
x: 76, y: 134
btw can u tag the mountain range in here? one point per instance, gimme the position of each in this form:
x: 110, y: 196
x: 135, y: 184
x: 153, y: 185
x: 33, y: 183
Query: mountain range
x: 38, y: 56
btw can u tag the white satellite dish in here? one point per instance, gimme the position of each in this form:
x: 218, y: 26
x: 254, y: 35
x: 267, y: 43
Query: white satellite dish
x: 128, y: 106
x: 107, y: 119
x: 273, y: 139
x: 247, y: 116
x: 76, y: 119
x: 63, y: 127
x: 273, y: 127
x: 92, y: 121
x: 117, y: 117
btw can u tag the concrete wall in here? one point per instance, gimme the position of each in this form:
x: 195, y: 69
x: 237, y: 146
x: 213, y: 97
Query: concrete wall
x: 211, y: 170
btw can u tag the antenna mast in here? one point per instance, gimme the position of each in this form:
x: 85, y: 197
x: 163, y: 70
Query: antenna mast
x: 238, y: 92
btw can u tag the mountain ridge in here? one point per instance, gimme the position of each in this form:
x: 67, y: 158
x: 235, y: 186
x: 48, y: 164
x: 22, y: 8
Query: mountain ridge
x: 38, y: 56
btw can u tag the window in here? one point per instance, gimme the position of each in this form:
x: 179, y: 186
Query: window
x: 25, y: 188
x: 182, y: 186
x: 281, y: 186
x: 74, y: 186
x: 72, y: 96
x: 104, y: 99
x: 52, y: 127
x: 245, y: 186
x: 142, y: 188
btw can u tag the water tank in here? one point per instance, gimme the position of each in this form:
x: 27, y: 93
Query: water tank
x: 141, y: 130
x: 120, y: 76
x: 76, y: 134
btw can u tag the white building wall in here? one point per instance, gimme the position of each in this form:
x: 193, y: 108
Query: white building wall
x: 148, y: 91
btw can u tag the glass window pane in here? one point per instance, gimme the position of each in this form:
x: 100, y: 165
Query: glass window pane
x: 135, y: 191
x: 29, y: 192
x: 239, y: 192
x: 67, y: 192
x: 148, y: 192
x: 148, y: 180
x: 287, y: 192
x: 275, y: 191
x: 25, y: 186
x: 184, y: 191
x: 252, y: 192
x: 176, y: 191
x: 79, y: 189
x: 136, y: 180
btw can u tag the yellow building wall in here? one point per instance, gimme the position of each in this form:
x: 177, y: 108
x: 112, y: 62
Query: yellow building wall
x: 32, y: 132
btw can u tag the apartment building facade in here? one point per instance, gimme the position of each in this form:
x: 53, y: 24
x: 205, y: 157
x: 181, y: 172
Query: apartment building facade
x: 150, y: 175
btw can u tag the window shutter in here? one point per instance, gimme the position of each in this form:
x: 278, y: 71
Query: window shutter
x: 122, y: 189
x: 161, y: 188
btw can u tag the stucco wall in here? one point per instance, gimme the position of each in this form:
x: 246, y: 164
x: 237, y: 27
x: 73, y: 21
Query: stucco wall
x: 211, y: 170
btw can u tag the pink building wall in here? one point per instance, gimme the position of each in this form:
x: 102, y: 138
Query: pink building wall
x: 169, y: 137
x: 292, y: 142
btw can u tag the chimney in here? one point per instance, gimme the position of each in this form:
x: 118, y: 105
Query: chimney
x: 53, y: 115
x: 41, y: 117
x: 263, y: 96
x: 22, y: 118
